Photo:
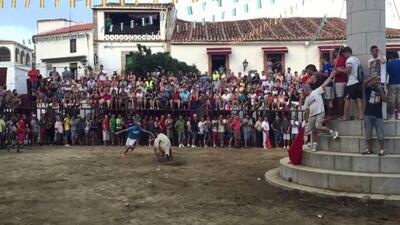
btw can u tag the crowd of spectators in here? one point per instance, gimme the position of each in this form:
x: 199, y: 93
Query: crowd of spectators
x: 230, y: 108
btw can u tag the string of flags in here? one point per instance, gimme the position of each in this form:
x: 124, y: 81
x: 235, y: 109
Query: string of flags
x: 72, y: 3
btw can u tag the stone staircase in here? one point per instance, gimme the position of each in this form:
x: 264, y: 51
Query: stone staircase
x: 338, y: 166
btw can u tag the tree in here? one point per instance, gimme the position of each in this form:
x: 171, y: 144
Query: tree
x: 144, y: 61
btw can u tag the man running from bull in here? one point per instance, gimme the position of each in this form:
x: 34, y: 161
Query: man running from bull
x: 133, y: 137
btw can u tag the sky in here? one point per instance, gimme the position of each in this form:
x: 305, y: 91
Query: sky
x: 20, y: 23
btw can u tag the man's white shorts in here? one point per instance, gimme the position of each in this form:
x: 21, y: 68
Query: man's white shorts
x: 339, y: 89
x: 130, y: 142
x: 286, y: 137
x: 106, y: 135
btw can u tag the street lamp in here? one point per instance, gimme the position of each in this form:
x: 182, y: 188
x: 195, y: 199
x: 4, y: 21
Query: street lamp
x: 245, y: 64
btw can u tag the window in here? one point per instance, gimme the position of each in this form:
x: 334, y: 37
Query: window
x: 5, y: 54
x: 72, y: 45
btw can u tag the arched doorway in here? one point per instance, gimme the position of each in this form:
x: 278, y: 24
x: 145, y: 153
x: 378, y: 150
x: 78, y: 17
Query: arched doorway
x: 27, y: 60
x: 22, y: 58
x: 5, y: 54
x: 17, y: 55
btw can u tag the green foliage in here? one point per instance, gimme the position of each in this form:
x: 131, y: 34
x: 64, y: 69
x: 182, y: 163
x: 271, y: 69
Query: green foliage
x: 144, y: 61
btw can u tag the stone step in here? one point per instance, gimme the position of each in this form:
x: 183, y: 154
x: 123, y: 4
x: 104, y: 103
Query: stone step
x: 356, y: 182
x: 352, y: 162
x: 356, y: 144
x: 356, y: 127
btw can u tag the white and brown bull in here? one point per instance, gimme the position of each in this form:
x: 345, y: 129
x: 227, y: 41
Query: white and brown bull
x: 162, y: 147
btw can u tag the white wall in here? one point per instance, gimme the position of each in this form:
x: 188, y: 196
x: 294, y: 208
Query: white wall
x: 51, y: 48
x: 297, y: 58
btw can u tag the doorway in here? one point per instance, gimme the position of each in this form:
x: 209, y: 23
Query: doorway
x: 128, y: 63
x: 73, y: 67
x: 219, y: 63
x: 3, y: 76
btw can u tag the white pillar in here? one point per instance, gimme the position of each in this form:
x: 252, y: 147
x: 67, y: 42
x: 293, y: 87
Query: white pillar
x: 366, y: 27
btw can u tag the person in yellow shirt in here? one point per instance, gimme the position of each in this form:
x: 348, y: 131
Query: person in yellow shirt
x: 67, y: 130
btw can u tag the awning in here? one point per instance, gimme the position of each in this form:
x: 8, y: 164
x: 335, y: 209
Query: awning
x: 219, y: 51
x: 393, y: 48
x: 64, y: 59
x: 328, y: 48
x: 275, y: 49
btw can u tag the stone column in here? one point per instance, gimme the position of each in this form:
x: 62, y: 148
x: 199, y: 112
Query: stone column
x: 365, y: 26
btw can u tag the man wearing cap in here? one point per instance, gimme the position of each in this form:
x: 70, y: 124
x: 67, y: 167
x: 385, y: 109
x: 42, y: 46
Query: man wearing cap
x: 315, y: 111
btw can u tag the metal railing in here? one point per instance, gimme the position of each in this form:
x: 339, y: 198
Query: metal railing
x: 99, y: 112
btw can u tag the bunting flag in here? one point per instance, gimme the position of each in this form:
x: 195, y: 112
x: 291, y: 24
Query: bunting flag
x: 190, y: 10
x: 122, y: 2
x: 103, y: 2
x: 27, y: 3
x: 42, y: 4
x: 203, y: 5
x: 259, y: 4
x: 174, y: 1
x: 57, y: 3
x: 72, y: 3
x: 13, y: 3
x: 88, y: 3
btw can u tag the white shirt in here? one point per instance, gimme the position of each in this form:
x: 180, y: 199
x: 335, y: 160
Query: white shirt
x: 354, y: 63
x: 314, y: 102
x: 265, y: 125
x: 226, y: 97
x: 202, y: 127
x: 295, y: 125
x: 379, y: 69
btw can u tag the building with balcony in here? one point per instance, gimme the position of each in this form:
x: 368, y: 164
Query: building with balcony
x: 15, y: 62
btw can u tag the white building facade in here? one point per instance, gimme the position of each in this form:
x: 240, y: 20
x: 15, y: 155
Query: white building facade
x: 264, y: 43
x: 15, y: 62
x: 61, y: 43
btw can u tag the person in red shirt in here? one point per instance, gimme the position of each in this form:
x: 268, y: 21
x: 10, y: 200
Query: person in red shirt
x: 161, y: 124
x: 105, y: 124
x: 340, y: 83
x: 33, y: 77
x: 236, y: 130
x: 21, y: 133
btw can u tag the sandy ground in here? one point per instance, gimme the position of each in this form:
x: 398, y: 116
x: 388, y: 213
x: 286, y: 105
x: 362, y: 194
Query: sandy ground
x: 91, y: 185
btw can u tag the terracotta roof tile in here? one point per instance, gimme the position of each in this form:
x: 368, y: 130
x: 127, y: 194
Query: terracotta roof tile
x: 73, y: 28
x: 264, y: 29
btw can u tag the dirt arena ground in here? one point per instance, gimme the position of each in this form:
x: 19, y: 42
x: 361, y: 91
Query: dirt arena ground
x: 92, y: 186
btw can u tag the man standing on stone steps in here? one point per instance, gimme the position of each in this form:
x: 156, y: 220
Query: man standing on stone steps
x: 373, y: 116
x: 315, y: 111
